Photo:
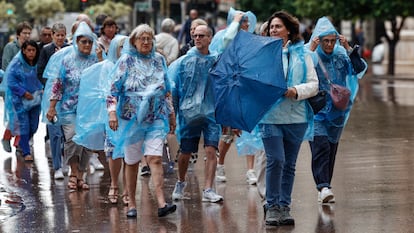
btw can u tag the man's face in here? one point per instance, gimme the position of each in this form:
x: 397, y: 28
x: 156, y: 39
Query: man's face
x: 202, y: 38
x: 24, y: 35
x: 46, y: 36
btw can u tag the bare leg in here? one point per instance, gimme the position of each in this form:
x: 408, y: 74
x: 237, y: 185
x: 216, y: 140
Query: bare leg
x: 131, y: 183
x: 157, y: 173
x: 250, y: 161
x: 183, y: 160
x: 210, y: 167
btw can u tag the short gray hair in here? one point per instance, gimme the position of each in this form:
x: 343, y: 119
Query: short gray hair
x: 138, y: 31
x: 167, y: 25
x: 58, y: 27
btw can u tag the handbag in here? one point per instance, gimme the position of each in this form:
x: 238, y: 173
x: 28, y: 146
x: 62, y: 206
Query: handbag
x: 340, y: 95
x: 318, y: 101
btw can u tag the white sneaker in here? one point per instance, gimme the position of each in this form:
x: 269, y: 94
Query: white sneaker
x: 220, y: 173
x: 94, y: 161
x: 59, y: 174
x: 210, y: 195
x: 326, y: 195
x: 251, y: 177
x: 178, y: 193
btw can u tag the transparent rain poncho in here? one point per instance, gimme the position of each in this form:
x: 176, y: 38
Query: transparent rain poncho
x: 192, y: 90
x: 19, y: 78
x: 249, y: 143
x: 222, y: 38
x: 63, y: 72
x: 140, y: 96
x: 95, y: 86
x: 340, y: 70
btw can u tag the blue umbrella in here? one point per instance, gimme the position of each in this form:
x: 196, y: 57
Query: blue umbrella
x: 248, y: 79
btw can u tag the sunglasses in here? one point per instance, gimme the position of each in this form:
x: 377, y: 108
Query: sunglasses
x: 84, y: 42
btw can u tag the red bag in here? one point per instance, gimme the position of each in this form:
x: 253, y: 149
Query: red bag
x: 340, y: 96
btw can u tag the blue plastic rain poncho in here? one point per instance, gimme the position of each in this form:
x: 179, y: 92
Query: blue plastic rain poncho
x: 64, y: 81
x: 340, y: 70
x: 192, y: 90
x: 95, y: 84
x: 225, y: 36
x: 249, y: 143
x: 19, y: 78
x: 139, y: 95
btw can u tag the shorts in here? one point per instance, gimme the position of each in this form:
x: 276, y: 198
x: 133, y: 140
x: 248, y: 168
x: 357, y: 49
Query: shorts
x: 190, y: 137
x: 149, y: 146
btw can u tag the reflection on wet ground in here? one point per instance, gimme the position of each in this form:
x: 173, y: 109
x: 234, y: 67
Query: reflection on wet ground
x: 373, y: 185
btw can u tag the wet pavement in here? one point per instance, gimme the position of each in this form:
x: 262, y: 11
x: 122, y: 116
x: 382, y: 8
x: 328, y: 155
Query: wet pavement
x: 373, y: 184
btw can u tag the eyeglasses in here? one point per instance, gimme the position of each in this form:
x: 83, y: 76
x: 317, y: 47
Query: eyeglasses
x: 145, y: 39
x: 326, y: 41
x: 201, y: 36
x: 84, y: 42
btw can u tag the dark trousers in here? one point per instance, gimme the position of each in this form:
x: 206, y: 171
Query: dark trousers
x: 323, y: 161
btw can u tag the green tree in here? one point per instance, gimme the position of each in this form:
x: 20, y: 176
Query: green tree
x: 115, y: 10
x: 42, y: 10
x: 7, y: 12
x: 393, y: 11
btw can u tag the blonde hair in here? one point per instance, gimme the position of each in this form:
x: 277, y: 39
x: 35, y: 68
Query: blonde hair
x: 138, y: 31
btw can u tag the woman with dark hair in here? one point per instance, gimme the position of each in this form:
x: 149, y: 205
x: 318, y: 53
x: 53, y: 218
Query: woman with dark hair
x: 283, y: 127
x: 24, y: 93
x: 108, y: 31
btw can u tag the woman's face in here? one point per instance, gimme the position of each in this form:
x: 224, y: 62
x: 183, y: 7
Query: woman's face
x: 143, y: 43
x: 59, y: 37
x: 328, y: 43
x: 244, y: 25
x: 110, y: 31
x: 84, y: 45
x: 30, y: 53
x: 278, y: 29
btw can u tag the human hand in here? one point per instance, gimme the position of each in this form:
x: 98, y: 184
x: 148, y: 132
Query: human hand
x: 291, y: 92
x: 314, y: 43
x: 236, y: 132
x: 51, y: 113
x: 344, y: 42
x: 113, y: 121
x: 28, y: 96
x: 238, y: 17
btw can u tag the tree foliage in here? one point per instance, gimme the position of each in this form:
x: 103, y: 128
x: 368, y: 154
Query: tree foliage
x: 42, y: 10
x: 7, y: 12
x: 115, y: 10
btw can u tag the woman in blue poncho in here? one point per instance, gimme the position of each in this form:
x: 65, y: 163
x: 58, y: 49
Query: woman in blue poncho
x: 284, y: 125
x: 23, y: 96
x: 139, y: 109
x: 332, y: 61
x: 64, y: 91
x: 92, y: 130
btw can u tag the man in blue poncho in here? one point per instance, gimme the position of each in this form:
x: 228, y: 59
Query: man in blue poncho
x: 333, y: 65
x: 193, y: 100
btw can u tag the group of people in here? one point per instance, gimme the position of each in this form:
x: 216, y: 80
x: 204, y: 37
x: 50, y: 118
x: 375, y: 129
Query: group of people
x: 122, y: 96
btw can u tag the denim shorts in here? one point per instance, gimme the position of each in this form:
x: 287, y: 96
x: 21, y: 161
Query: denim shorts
x: 190, y: 136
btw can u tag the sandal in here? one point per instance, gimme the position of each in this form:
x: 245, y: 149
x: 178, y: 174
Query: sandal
x: 113, y: 195
x: 125, y: 199
x: 82, y: 185
x: 73, y: 183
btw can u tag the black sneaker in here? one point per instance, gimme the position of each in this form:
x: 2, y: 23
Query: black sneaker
x: 166, y: 210
x: 145, y: 171
x: 286, y: 218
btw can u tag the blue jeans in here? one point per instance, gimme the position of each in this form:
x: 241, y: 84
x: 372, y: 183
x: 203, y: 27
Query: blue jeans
x: 282, y: 144
x: 56, y: 144
x: 323, y: 160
